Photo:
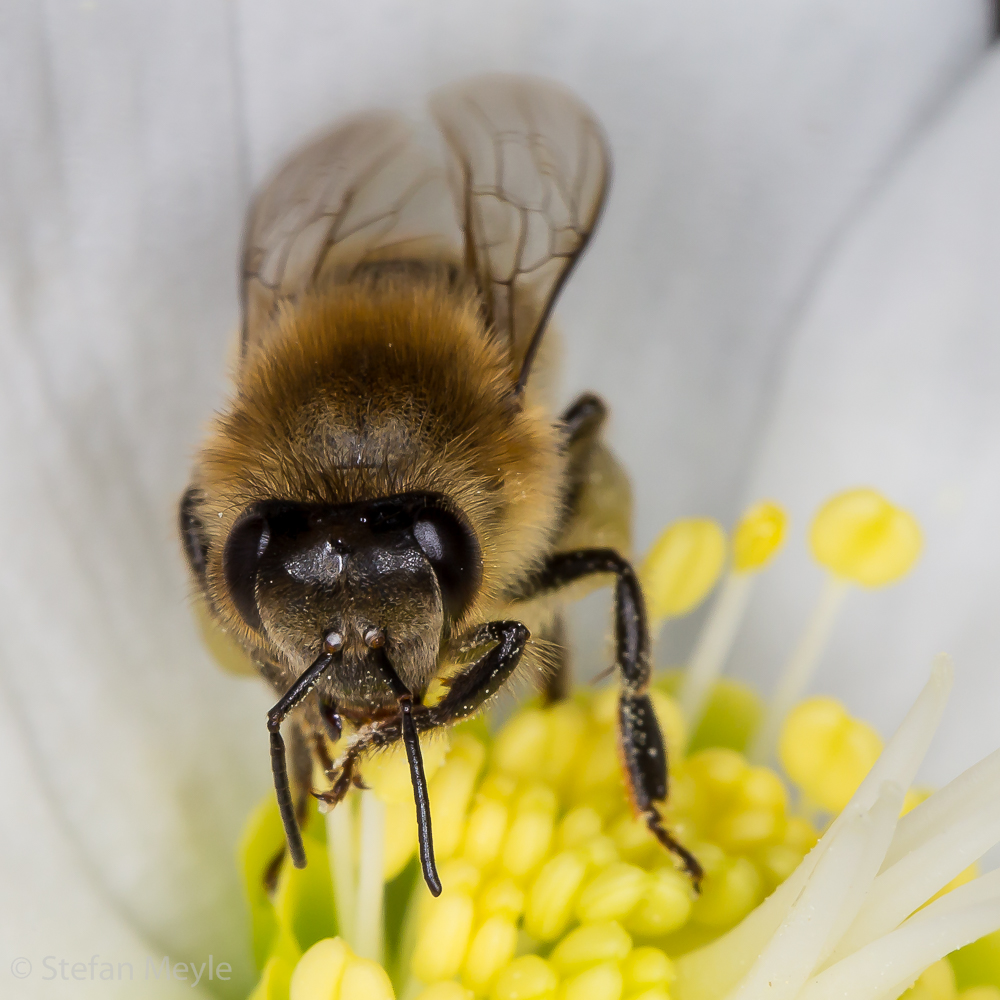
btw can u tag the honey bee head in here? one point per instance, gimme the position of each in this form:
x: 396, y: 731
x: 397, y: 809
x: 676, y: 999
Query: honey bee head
x: 362, y: 580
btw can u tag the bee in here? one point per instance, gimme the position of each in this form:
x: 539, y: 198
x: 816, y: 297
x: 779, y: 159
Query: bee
x: 388, y: 499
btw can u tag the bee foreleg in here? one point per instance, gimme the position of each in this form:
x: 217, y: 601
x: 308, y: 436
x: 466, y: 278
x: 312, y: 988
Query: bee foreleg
x: 643, y: 753
x: 470, y: 689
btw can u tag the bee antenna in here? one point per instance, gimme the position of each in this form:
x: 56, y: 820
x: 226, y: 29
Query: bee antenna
x: 279, y: 766
x: 419, y: 781
x: 411, y: 743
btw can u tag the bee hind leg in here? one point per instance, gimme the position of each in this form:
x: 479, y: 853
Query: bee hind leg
x: 641, y: 746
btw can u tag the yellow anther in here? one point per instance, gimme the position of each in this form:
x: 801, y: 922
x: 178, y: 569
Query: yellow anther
x: 646, y: 967
x: 612, y: 893
x: 365, y: 980
x: 665, y: 905
x: 445, y: 991
x: 653, y: 993
x: 502, y: 897
x: 491, y: 949
x: 683, y: 566
x: 443, y: 937
x: 761, y: 788
x: 800, y: 835
x: 728, y: 894
x: 826, y: 752
x: 400, y: 837
x: 600, y: 766
x: 320, y: 970
x: 604, y: 707
x: 568, y: 725
x: 526, y: 978
x: 450, y: 792
x: 485, y: 830
x: 719, y: 773
x: 777, y: 862
x: 600, y: 852
x: 578, y: 826
x: 862, y: 537
x: 758, y: 537
x: 530, y: 832
x: 745, y: 830
x: 388, y: 773
x: 634, y: 841
x: 458, y: 873
x: 498, y: 786
x: 521, y: 744
x: 551, y: 897
x: 590, y: 944
x: 601, y: 982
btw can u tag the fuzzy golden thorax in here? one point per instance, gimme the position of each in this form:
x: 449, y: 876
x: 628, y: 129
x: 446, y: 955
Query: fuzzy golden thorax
x: 373, y: 391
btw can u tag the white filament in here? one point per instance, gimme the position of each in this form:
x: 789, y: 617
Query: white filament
x: 798, y: 670
x: 341, y: 841
x: 371, y: 891
x: 714, y: 645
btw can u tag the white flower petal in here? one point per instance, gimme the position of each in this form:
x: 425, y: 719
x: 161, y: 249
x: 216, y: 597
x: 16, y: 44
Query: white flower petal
x: 742, y: 139
x: 892, y: 381
x: 41, y: 868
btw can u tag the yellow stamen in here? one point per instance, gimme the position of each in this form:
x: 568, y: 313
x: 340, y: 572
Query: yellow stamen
x: 757, y: 538
x: 491, y: 950
x: 860, y: 536
x: 526, y: 978
x: 443, y: 936
x: 826, y: 752
x: 612, y: 893
x: 590, y: 944
x: 682, y: 567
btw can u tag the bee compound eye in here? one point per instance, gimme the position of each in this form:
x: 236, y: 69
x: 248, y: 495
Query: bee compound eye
x: 452, y: 549
x: 240, y: 562
x: 375, y: 638
x: 333, y: 642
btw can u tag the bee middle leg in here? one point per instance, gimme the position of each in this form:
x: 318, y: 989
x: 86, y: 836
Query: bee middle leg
x: 644, y: 754
x: 468, y: 691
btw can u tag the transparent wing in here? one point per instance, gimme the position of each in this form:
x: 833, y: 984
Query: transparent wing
x: 529, y: 170
x: 364, y: 192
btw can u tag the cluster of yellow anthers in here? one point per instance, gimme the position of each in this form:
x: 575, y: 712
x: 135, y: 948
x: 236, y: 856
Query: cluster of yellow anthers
x: 552, y: 889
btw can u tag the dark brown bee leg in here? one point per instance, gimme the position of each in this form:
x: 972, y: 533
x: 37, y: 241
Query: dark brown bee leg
x: 468, y: 691
x: 279, y: 768
x: 584, y: 417
x: 557, y: 681
x: 644, y: 755
x: 331, y: 719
